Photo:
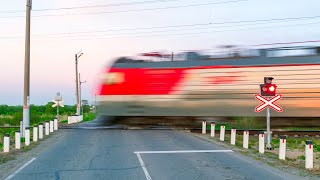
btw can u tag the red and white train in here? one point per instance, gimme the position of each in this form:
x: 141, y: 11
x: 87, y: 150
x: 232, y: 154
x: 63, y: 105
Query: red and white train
x: 204, y: 86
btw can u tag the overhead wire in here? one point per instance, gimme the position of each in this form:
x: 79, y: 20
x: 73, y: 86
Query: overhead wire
x: 132, y: 10
x: 92, y: 6
x: 206, y: 32
x: 168, y: 28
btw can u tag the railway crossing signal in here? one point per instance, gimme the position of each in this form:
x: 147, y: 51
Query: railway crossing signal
x: 58, y: 102
x: 268, y: 90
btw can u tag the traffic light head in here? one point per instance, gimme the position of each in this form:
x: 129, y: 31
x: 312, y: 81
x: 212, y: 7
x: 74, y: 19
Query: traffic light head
x: 268, y: 89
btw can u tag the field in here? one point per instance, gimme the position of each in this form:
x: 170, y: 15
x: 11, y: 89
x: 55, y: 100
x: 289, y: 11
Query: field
x: 12, y: 115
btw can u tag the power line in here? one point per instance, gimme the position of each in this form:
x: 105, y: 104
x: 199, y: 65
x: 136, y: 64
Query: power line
x: 133, y: 10
x: 108, y: 5
x: 93, y: 6
x: 173, y: 30
x: 206, y: 32
x: 188, y: 33
x: 286, y: 43
x: 194, y: 27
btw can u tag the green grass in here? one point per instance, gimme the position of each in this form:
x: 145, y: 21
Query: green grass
x: 218, y: 126
x: 89, y: 117
x: 64, y: 122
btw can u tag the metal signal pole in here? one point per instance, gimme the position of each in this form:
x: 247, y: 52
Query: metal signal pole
x: 268, y: 146
x: 26, y: 92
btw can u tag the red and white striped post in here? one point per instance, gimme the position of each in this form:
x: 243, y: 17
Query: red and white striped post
x: 222, y: 132
x: 309, y: 155
x: 246, y: 139
x: 204, y: 127
x: 233, y: 136
x: 213, y: 127
x: 282, y: 147
x: 261, y: 142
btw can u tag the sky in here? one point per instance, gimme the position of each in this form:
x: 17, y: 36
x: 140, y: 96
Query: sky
x: 106, y: 29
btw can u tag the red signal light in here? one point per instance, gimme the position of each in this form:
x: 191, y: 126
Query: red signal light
x: 268, y: 89
x: 272, y: 88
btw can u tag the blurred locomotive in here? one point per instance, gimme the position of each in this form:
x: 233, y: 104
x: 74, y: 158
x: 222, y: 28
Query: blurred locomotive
x: 195, y: 85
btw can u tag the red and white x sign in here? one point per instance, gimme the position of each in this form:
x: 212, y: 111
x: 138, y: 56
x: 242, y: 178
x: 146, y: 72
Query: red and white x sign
x: 269, y: 103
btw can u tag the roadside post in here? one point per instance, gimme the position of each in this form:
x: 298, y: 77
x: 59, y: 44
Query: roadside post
x: 17, y: 139
x: 41, y: 131
x: 222, y: 132
x: 268, y: 90
x: 213, y: 127
x: 51, y: 126
x: 261, y: 142
x: 46, y: 124
x: 55, y: 124
x: 309, y: 155
x: 6, y: 143
x: 204, y: 127
x: 233, y: 136
x: 282, y: 147
x: 27, y: 136
x: 246, y: 139
x: 35, y: 134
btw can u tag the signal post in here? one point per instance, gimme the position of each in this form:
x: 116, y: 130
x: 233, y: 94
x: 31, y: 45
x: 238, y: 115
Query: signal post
x: 268, y: 96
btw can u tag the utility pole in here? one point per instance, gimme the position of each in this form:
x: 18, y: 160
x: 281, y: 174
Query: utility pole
x: 81, y: 107
x: 95, y: 103
x: 77, y: 56
x: 26, y: 91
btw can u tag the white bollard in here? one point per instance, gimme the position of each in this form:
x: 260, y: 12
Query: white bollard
x: 46, y: 127
x: 6, y: 143
x: 309, y: 155
x: 51, y: 126
x: 282, y: 147
x: 69, y: 120
x: 27, y: 136
x: 41, y: 131
x: 213, y: 127
x: 204, y: 127
x: 55, y: 124
x: 261, y: 142
x: 233, y: 136
x: 35, y: 134
x: 222, y: 132
x: 17, y: 139
x: 246, y: 139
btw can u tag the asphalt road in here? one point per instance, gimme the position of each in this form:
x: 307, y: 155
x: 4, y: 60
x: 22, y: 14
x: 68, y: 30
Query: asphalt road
x: 134, y: 154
